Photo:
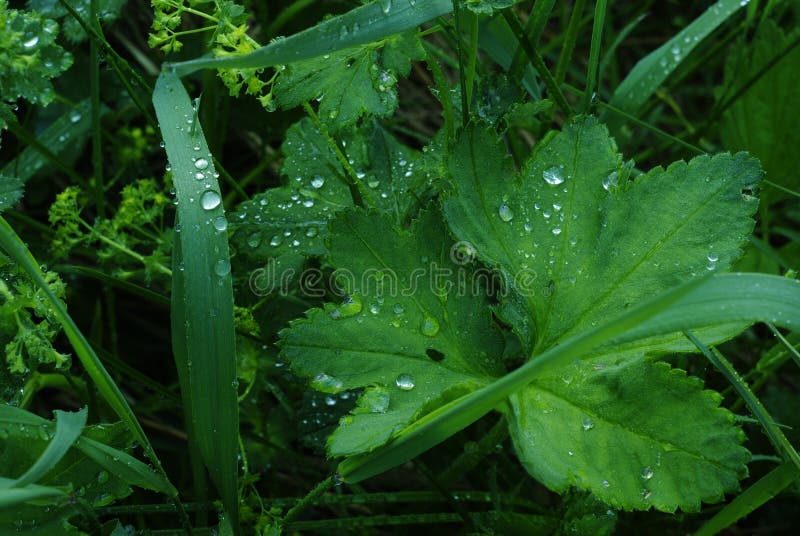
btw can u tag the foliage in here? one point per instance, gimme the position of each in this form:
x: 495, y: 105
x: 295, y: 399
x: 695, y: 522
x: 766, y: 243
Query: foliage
x: 418, y: 265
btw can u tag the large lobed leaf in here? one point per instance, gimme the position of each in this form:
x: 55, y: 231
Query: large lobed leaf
x: 411, y: 339
x: 578, y: 241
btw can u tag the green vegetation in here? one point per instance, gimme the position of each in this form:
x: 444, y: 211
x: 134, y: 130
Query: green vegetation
x: 486, y: 266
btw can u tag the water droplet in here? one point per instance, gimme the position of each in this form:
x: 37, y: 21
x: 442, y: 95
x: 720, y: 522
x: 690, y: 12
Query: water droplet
x: 31, y: 41
x: 308, y: 203
x: 505, y: 212
x: 210, y: 200
x: 429, y: 326
x: 712, y: 257
x: 606, y: 483
x: 398, y: 309
x: 330, y: 401
x: 222, y: 268
x: 556, y: 230
x: 102, y: 477
x: 199, y: 175
x: 275, y: 241
x: 350, y: 307
x: 386, y: 6
x: 317, y: 182
x: 552, y: 175
x: 405, y: 382
x: 201, y: 163
x: 220, y: 223
x: 74, y: 117
x: 647, y: 473
x: 611, y: 180
x: 587, y: 424
x: 311, y: 232
x: 327, y: 384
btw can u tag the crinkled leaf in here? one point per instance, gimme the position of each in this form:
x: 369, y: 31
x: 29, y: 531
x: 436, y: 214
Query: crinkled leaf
x: 107, y: 11
x: 351, y: 82
x: 638, y: 436
x: 410, y: 338
x: 578, y: 241
x: 764, y: 119
x: 10, y: 191
x: 29, y: 57
x: 291, y: 220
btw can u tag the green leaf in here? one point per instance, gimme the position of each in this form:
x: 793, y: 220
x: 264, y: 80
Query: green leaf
x: 203, y: 336
x: 409, y: 338
x: 289, y: 221
x: 29, y: 57
x: 655, y: 68
x: 12, y: 496
x: 10, y: 191
x: 107, y: 11
x: 638, y: 436
x: 352, y: 82
x: 762, y: 119
x: 68, y: 427
x: 578, y: 241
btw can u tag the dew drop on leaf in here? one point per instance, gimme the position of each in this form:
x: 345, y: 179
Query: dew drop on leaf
x: 31, y: 41
x: 553, y: 175
x: 610, y: 181
x: 201, y: 163
x: 647, y: 473
x: 222, y: 268
x: 102, y: 477
x: 317, y: 181
x: 429, y: 326
x: 350, y: 307
x: 405, y: 382
x: 210, y: 200
x: 327, y: 384
x: 505, y: 212
x: 220, y: 223
x: 587, y: 424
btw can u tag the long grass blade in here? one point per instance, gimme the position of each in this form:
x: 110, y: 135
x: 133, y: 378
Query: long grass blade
x: 593, y: 71
x: 202, y: 294
x: 767, y: 487
x: 722, y: 299
x: 12, y: 496
x: 365, y: 24
x: 652, y: 70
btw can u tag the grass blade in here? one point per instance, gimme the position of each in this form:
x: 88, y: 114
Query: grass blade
x: 202, y: 296
x: 365, y: 24
x: 593, y: 71
x: 774, y: 433
x: 652, y: 70
x: 718, y: 300
x: 68, y: 428
x: 12, y: 496
x: 767, y: 487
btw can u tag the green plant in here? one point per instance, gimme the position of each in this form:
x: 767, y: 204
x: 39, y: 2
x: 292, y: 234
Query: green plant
x: 393, y: 286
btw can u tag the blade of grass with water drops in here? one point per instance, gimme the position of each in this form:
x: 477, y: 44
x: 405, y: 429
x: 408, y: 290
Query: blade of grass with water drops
x: 652, y: 70
x: 202, y: 294
x: 362, y: 25
x: 717, y: 300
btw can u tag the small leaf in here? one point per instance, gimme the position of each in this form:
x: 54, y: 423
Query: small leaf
x: 10, y: 191
x: 107, y: 11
